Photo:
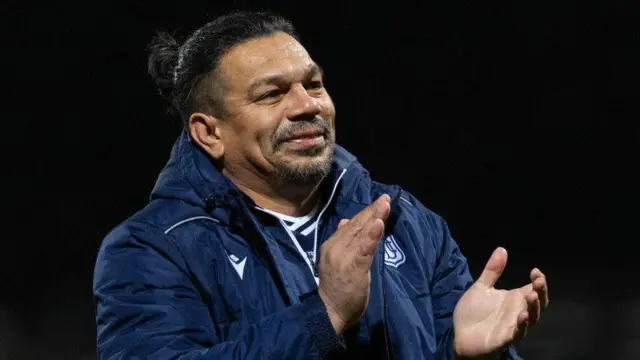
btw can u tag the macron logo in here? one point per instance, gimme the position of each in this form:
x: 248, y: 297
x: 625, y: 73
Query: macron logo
x: 238, y: 264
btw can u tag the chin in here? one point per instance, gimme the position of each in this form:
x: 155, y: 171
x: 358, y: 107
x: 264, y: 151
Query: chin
x: 307, y: 163
x: 306, y: 168
x: 311, y: 155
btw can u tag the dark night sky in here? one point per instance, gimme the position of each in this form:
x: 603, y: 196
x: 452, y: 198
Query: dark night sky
x: 517, y: 122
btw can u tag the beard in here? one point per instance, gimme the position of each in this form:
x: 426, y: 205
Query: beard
x: 309, y: 166
x: 306, y: 173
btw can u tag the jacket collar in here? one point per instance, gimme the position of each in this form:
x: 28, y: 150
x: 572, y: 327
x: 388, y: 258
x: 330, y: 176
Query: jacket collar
x: 192, y: 177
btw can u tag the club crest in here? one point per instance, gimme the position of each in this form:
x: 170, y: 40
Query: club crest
x: 393, y: 255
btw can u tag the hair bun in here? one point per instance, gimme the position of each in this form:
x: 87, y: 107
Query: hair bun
x: 163, y: 59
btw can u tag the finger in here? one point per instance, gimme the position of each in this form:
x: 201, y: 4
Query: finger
x: 369, y: 242
x: 359, y: 227
x: 374, y: 235
x: 540, y: 286
x: 376, y: 231
x: 385, y: 209
x: 378, y: 209
x: 533, y: 307
x: 341, y: 229
x: 382, y: 207
x: 522, y: 324
x: 494, y: 268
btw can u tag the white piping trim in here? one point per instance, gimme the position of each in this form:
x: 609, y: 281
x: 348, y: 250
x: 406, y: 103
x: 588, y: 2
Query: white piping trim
x: 190, y: 219
x: 405, y: 200
x: 288, y: 218
x: 296, y: 221
x: 300, y: 250
x: 309, y: 229
x: 315, y: 235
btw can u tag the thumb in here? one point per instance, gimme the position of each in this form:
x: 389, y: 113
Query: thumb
x: 494, y: 268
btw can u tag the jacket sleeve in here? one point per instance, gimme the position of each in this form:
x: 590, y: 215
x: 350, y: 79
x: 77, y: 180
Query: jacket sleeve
x: 451, y: 279
x: 147, y: 307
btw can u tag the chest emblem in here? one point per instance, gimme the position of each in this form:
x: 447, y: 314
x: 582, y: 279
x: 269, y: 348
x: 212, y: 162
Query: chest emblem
x: 393, y: 254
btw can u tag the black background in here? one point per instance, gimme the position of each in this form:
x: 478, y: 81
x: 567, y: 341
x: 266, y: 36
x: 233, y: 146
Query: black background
x: 516, y: 121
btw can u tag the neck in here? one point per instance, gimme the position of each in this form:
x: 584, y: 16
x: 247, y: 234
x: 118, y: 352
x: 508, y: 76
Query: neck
x: 292, y: 200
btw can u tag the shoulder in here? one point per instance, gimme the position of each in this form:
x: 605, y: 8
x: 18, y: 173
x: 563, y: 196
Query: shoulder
x: 156, y: 220
x: 162, y: 231
x: 426, y: 234
x: 420, y: 225
x: 405, y: 204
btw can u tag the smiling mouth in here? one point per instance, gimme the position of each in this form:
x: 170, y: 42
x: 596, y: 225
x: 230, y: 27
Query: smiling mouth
x: 304, y: 141
x: 304, y: 135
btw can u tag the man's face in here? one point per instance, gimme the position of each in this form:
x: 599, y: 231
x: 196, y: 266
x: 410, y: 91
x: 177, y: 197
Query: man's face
x: 279, y: 119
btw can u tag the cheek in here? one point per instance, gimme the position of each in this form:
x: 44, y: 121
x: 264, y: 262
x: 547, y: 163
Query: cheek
x: 256, y: 135
x: 328, y: 109
x: 329, y: 113
x: 262, y: 139
x: 242, y: 137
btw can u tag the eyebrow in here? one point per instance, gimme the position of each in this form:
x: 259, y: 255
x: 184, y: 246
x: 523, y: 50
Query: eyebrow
x: 311, y: 71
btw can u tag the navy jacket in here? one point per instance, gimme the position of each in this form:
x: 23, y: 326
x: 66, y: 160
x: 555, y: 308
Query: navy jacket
x: 194, y: 275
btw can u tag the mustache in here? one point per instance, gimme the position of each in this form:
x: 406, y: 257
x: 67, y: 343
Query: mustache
x: 315, y: 124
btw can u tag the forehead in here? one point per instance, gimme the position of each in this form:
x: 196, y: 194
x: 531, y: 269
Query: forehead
x: 275, y: 55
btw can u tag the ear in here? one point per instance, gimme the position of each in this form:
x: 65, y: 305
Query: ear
x: 205, y: 131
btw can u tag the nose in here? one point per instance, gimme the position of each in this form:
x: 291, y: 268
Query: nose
x: 302, y: 106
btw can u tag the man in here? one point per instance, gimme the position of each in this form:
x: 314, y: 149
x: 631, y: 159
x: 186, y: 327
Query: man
x: 265, y: 240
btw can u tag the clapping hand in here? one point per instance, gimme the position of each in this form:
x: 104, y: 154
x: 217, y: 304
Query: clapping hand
x: 487, y: 320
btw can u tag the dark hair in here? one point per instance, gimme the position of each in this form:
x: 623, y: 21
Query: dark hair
x: 179, y: 70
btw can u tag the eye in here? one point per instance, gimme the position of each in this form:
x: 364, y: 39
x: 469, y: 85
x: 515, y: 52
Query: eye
x: 314, y: 84
x: 271, y: 94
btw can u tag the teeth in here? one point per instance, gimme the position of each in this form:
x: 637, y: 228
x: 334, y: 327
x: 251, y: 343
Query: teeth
x: 303, y: 139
